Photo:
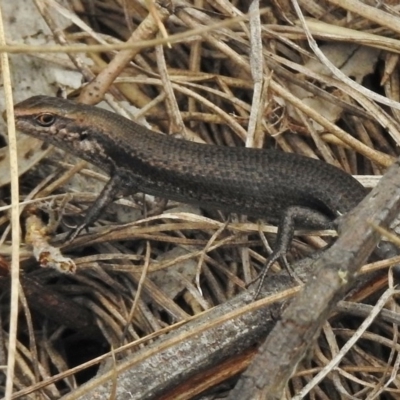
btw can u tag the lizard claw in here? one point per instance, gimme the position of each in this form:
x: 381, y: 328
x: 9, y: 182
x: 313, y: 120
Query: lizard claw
x: 263, y: 274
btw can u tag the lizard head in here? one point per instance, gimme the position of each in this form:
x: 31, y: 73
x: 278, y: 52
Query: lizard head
x: 49, y: 119
x: 60, y: 122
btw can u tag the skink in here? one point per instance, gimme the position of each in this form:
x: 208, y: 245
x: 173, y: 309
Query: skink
x: 287, y: 189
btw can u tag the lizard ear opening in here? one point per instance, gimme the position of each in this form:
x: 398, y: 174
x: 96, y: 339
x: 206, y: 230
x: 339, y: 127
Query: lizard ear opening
x: 45, y: 119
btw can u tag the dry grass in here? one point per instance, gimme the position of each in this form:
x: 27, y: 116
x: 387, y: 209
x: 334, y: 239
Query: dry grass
x: 206, y: 74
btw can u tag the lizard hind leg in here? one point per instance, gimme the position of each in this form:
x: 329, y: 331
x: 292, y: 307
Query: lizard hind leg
x: 293, y: 216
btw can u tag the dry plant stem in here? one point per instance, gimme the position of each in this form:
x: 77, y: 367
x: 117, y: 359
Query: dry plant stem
x: 316, y: 10
x: 98, y: 48
x: 337, y: 72
x: 225, y: 7
x: 391, y: 365
x: 277, y: 282
x: 321, y: 145
x: 15, y: 232
x: 140, y: 287
x: 179, y: 84
x: 228, y: 329
x: 200, y: 262
x: 154, y: 12
x: 132, y: 232
x: 176, y: 125
x: 58, y: 308
x: 225, y: 116
x: 372, y: 13
x: 391, y: 61
x: 31, y: 332
x: 130, y: 92
x: 167, y: 234
x: 275, y: 63
x: 47, y: 255
x: 183, y: 353
x: 339, y: 356
x: 161, y: 299
x: 26, y: 202
x: 194, y: 65
x: 62, y: 180
x: 374, y: 155
x: 230, y: 121
x: 43, y: 6
x: 378, y: 113
x: 323, y: 31
x: 94, y: 92
x: 334, y: 273
x: 363, y: 310
x: 257, y: 71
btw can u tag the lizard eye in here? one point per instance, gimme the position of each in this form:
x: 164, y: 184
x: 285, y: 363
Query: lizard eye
x: 45, y: 119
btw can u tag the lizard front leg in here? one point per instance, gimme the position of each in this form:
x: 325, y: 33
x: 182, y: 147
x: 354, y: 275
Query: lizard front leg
x: 105, y: 197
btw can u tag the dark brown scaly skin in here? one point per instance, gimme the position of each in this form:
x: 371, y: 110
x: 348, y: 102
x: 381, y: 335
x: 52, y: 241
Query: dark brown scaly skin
x: 282, y: 188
